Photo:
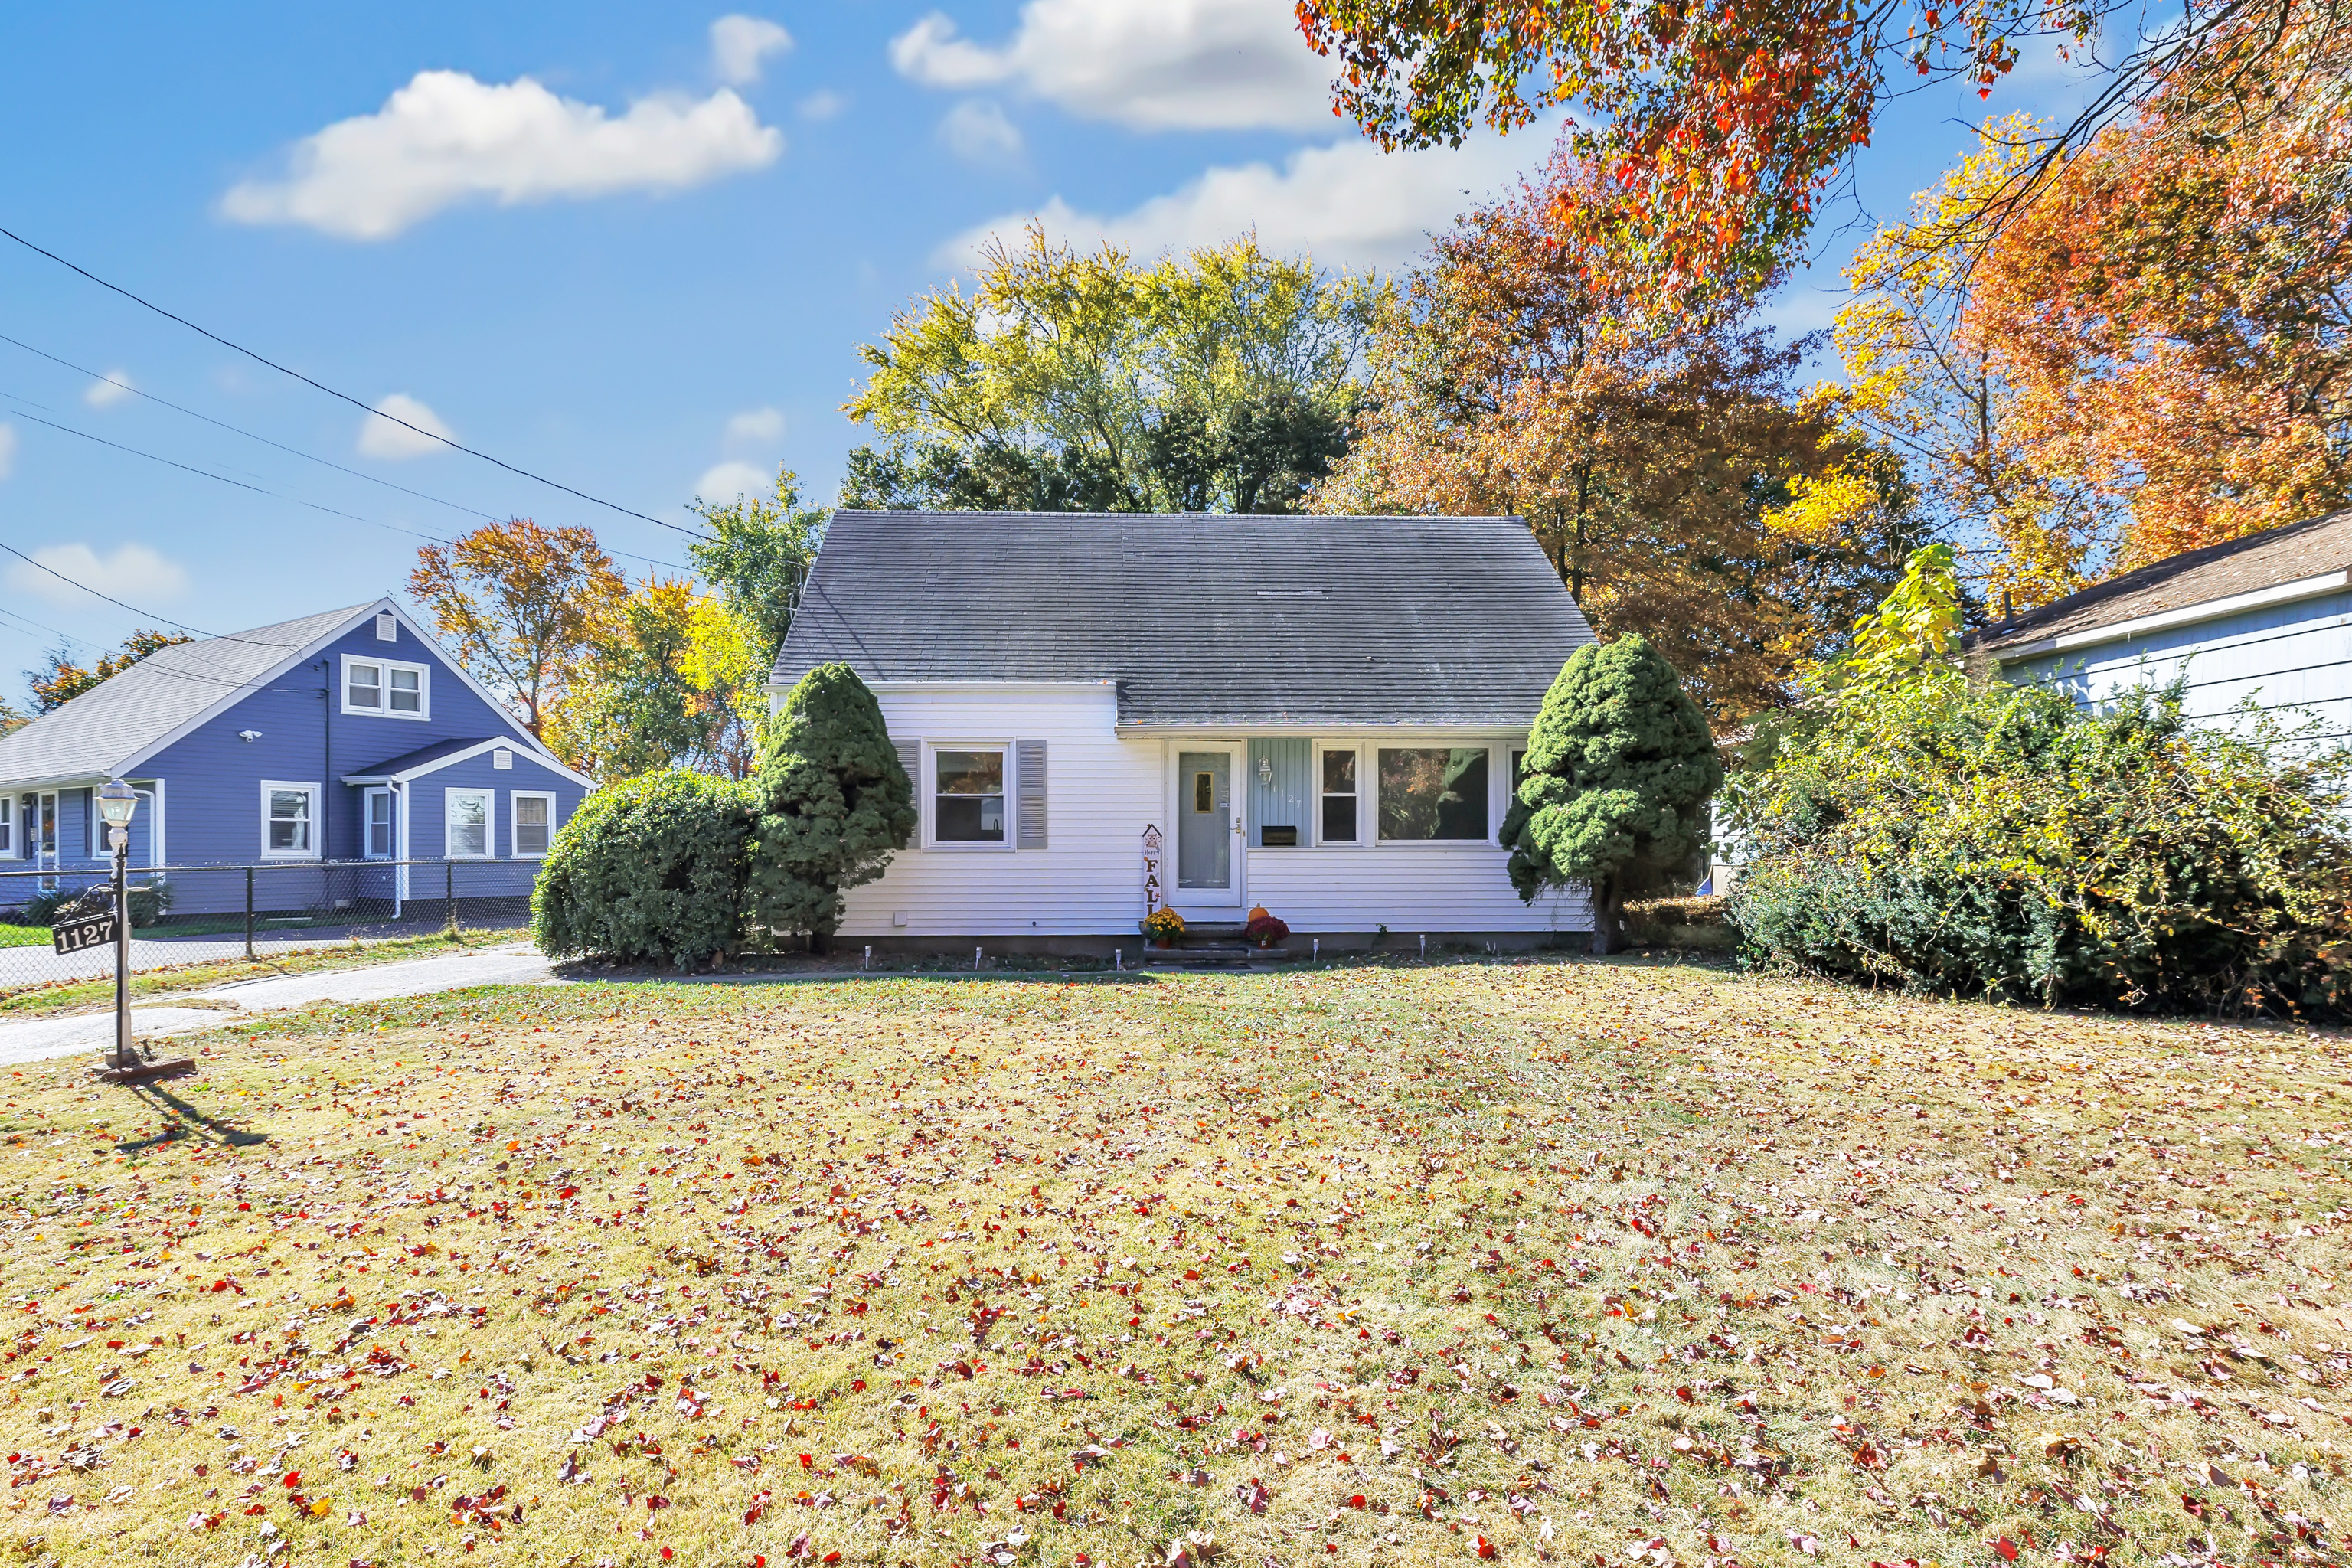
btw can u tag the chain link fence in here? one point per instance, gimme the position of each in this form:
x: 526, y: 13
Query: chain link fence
x: 195, y: 914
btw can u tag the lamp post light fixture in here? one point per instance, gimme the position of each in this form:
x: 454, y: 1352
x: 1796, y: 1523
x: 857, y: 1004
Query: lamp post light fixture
x: 118, y: 803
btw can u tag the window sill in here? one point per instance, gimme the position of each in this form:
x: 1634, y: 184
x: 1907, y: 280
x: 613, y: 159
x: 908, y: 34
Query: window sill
x: 351, y: 712
x: 289, y: 854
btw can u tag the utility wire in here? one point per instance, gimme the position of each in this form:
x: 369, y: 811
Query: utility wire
x: 344, y: 396
x: 257, y: 489
x: 223, y: 424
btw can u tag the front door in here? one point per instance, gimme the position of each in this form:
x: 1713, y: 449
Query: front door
x: 1206, y: 831
x: 45, y: 838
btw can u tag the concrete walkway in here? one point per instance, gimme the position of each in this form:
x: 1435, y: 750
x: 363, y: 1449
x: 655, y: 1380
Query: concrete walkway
x: 517, y: 964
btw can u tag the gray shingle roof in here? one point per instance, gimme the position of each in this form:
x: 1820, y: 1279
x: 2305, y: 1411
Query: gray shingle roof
x: 2265, y: 559
x: 1201, y: 619
x: 97, y: 733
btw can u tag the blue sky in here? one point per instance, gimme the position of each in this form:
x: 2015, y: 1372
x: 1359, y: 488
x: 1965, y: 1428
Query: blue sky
x: 630, y: 248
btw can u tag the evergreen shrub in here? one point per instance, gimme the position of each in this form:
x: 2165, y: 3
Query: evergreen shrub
x: 650, y: 871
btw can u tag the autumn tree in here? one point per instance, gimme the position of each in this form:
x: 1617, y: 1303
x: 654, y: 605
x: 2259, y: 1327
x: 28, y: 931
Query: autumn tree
x: 758, y: 555
x: 672, y: 677
x: 1921, y: 380
x: 2173, y: 314
x: 1657, y: 454
x: 1720, y: 128
x: 517, y: 604
x: 64, y: 679
x: 1221, y: 381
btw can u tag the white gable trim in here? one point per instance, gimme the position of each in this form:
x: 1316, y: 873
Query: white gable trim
x: 2186, y: 614
x: 531, y: 755
x: 523, y: 738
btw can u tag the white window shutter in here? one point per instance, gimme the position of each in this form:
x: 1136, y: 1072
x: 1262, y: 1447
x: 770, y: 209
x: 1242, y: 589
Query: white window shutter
x: 1029, y: 779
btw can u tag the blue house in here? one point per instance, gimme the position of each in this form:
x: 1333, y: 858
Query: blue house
x: 347, y: 737
x: 2262, y: 623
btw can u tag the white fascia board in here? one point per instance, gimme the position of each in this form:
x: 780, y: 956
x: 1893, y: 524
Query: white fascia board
x: 409, y: 776
x: 55, y: 781
x: 1491, y: 734
x: 2186, y: 614
x: 978, y: 688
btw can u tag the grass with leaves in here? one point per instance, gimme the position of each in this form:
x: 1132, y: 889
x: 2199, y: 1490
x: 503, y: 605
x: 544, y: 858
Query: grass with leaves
x: 1540, y: 1260
x: 53, y: 997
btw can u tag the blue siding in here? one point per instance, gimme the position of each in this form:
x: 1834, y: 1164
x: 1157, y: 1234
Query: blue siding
x: 1278, y: 797
x: 213, y: 779
x: 2293, y: 661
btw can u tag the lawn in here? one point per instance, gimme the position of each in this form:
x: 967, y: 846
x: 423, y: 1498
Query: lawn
x: 23, y: 936
x: 1545, y: 1260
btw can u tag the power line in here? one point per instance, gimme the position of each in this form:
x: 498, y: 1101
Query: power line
x: 250, y: 436
x: 343, y: 396
x: 86, y: 588
x: 275, y: 494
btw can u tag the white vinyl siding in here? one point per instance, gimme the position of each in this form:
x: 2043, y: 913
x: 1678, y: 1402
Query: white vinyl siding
x: 1106, y: 788
x: 387, y: 689
x: 289, y: 820
x: 467, y: 823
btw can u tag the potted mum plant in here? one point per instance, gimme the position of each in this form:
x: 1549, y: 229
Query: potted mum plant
x: 1265, y: 930
x: 1163, y: 926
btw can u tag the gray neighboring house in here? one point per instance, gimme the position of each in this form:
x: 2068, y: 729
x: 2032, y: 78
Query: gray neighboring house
x: 1106, y: 714
x: 2265, y: 620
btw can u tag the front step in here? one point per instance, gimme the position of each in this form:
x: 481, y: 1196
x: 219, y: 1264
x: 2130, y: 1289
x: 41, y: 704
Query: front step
x: 1213, y: 956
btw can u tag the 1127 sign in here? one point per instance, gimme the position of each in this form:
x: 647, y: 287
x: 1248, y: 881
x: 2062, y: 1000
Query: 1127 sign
x: 79, y: 936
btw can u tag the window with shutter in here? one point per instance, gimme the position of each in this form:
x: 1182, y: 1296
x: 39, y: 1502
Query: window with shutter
x: 1029, y: 782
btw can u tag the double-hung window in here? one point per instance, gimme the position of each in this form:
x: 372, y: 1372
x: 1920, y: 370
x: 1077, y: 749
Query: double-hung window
x: 467, y: 821
x: 378, y: 820
x: 7, y: 825
x: 968, y: 795
x: 530, y: 814
x: 385, y: 689
x: 1432, y: 793
x: 289, y: 816
x: 1337, y: 772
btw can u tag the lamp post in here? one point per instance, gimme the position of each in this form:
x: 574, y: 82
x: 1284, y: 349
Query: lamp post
x: 118, y: 803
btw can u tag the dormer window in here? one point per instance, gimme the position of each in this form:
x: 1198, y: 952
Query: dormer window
x: 384, y: 688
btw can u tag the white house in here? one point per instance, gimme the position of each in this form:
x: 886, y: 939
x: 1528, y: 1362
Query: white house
x: 2263, y: 623
x: 1321, y: 716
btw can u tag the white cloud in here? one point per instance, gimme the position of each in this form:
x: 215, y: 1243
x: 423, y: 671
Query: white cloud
x: 728, y: 480
x: 756, y: 428
x: 447, y: 138
x: 1350, y: 203
x: 134, y: 572
x: 383, y: 438
x: 977, y: 132
x: 823, y: 104
x: 7, y: 450
x: 107, y: 390
x: 1157, y: 65
x: 740, y: 46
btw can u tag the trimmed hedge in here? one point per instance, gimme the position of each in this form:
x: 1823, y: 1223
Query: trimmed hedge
x: 650, y: 871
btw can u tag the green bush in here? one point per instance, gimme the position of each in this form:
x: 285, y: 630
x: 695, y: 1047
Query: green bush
x: 1612, y: 791
x: 2000, y: 841
x: 832, y: 803
x: 647, y: 871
